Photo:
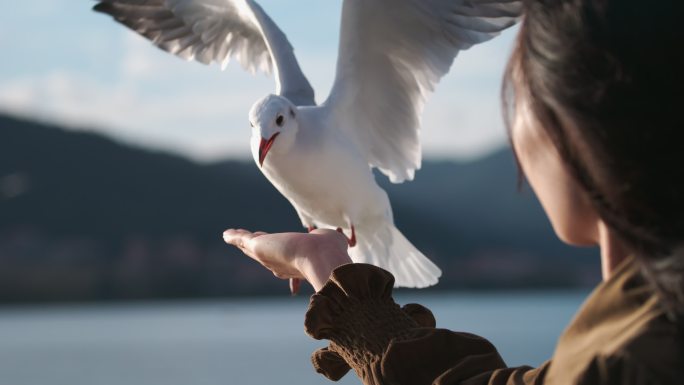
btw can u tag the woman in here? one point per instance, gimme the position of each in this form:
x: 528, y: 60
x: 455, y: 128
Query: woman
x: 595, y: 88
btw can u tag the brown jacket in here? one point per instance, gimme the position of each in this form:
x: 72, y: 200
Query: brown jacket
x: 619, y: 336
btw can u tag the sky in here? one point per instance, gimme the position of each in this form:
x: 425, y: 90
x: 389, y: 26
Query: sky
x: 63, y: 63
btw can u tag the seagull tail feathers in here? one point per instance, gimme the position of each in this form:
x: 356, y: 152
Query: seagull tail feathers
x: 385, y: 246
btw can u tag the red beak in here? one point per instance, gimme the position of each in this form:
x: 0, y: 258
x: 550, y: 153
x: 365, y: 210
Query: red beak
x: 264, y: 146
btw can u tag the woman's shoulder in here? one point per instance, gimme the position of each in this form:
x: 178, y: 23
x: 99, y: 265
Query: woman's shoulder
x: 621, y: 331
x: 656, y: 354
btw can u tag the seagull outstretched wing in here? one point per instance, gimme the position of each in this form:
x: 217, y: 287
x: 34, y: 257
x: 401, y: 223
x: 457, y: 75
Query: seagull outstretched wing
x: 215, y: 31
x: 392, y: 53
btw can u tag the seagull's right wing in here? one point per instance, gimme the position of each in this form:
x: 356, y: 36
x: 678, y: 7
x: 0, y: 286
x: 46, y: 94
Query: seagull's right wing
x: 215, y: 31
x: 392, y: 54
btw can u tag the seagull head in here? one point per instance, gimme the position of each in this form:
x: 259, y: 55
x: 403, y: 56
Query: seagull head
x: 272, y: 117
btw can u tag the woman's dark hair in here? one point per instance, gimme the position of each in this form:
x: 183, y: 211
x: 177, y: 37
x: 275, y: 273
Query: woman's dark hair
x: 604, y: 80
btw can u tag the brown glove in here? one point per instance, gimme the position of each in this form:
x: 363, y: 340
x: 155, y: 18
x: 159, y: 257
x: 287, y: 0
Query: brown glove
x: 356, y: 312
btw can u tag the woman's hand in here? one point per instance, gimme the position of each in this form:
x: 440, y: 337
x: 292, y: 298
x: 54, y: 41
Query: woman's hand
x: 311, y: 256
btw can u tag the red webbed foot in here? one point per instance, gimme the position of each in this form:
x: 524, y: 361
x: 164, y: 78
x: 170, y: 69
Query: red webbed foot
x: 351, y: 241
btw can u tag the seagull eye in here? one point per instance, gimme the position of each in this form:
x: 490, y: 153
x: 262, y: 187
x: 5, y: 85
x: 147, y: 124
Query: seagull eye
x: 251, y: 124
x: 279, y: 120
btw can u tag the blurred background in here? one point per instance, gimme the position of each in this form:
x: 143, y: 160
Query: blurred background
x: 121, y: 165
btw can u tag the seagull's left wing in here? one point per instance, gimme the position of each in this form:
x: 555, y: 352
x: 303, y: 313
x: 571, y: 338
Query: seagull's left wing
x: 214, y: 31
x: 392, y: 53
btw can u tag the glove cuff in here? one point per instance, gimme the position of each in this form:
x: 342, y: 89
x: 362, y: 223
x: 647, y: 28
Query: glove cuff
x: 356, y: 312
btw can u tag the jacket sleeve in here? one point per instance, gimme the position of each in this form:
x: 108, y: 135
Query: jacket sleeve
x: 388, y: 344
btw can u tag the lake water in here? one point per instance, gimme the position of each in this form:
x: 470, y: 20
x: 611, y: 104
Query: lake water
x: 255, y: 341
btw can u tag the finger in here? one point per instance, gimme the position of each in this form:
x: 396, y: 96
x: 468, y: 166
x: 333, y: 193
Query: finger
x: 235, y: 237
x: 240, y: 238
x: 248, y: 235
x: 295, y: 283
x: 279, y: 275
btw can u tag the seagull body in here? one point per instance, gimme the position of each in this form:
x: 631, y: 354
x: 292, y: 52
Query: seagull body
x: 320, y: 157
x: 322, y: 173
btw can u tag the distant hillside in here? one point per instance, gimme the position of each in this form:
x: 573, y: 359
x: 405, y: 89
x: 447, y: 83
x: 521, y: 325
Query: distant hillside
x: 84, y: 217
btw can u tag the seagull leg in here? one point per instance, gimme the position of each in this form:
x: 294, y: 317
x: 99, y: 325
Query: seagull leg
x: 295, y: 283
x: 350, y: 241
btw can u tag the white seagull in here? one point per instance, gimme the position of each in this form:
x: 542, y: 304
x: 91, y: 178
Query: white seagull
x: 391, y: 55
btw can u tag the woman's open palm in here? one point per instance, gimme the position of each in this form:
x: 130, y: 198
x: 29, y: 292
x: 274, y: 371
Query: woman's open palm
x: 312, y: 256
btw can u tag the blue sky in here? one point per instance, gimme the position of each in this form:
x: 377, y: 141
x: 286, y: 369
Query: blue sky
x: 64, y: 63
